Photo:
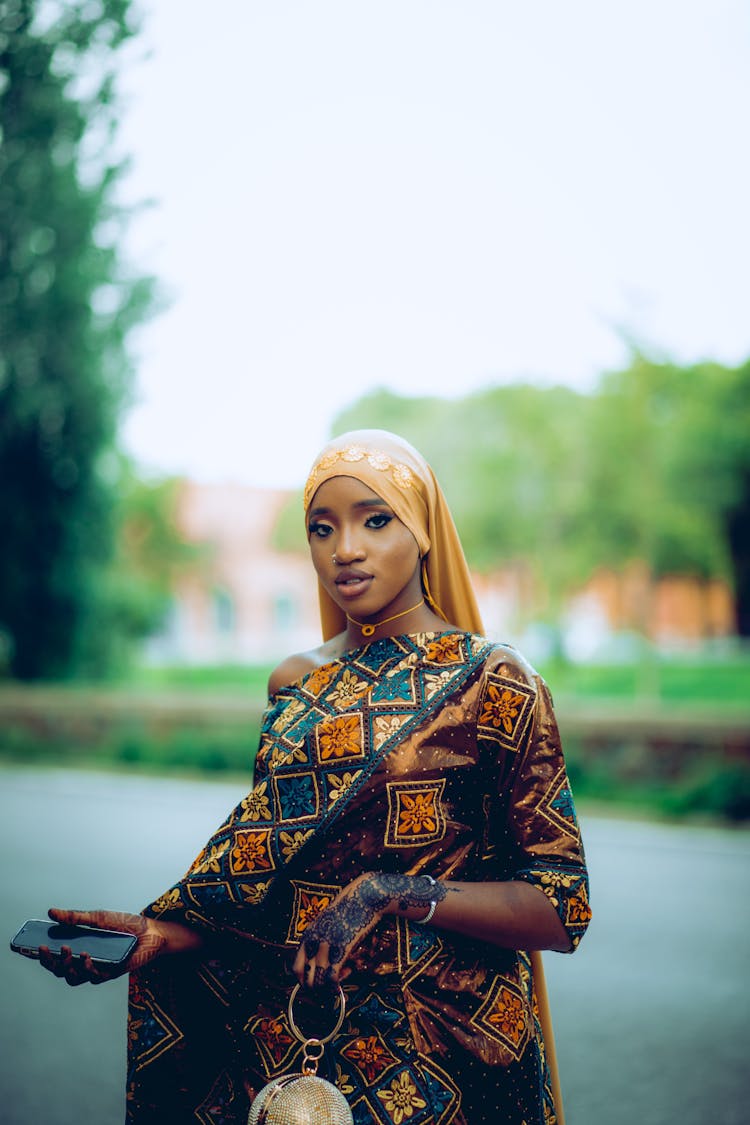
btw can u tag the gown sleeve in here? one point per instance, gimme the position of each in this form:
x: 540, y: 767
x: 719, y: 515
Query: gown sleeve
x: 532, y: 828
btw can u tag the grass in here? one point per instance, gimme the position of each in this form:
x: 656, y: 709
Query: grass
x: 250, y: 678
x: 670, y: 681
x: 134, y: 745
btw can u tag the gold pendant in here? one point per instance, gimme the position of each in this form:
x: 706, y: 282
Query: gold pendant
x: 368, y: 630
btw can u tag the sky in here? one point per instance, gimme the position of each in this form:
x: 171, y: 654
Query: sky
x: 423, y: 195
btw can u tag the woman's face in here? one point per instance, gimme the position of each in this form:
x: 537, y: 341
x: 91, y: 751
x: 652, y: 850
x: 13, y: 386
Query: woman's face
x: 376, y: 572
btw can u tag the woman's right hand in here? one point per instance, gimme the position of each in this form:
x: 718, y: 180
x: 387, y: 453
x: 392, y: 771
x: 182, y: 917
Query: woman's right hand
x: 154, y: 939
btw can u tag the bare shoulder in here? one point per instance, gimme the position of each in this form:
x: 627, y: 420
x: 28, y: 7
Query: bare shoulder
x: 299, y: 664
x: 292, y: 668
x: 505, y: 660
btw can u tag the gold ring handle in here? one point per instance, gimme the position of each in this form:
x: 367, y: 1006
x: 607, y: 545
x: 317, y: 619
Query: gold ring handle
x: 315, y: 1039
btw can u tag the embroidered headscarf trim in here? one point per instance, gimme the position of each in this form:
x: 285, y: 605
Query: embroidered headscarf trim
x: 399, y: 474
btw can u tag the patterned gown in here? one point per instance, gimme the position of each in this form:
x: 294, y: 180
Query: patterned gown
x: 432, y: 753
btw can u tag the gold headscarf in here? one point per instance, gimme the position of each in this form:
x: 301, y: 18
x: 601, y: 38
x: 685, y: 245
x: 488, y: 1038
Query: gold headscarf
x: 394, y: 469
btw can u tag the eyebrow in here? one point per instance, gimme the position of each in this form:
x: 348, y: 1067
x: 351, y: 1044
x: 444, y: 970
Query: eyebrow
x: 375, y: 502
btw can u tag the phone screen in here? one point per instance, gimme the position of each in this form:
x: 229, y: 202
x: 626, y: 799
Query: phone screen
x: 108, y: 946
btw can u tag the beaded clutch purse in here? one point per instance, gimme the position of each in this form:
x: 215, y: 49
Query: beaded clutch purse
x: 303, y: 1098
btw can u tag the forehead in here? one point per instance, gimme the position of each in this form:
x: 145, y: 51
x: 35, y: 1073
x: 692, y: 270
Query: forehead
x: 344, y: 492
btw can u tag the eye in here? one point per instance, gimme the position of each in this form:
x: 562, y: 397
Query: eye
x: 319, y: 530
x: 380, y: 519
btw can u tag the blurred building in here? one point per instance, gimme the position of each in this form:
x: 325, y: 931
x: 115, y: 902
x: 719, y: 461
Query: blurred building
x: 675, y: 613
x: 249, y: 602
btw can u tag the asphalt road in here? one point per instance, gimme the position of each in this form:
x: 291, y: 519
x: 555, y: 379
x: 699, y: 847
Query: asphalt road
x: 652, y: 1013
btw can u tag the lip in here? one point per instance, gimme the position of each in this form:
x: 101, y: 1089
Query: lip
x: 351, y: 583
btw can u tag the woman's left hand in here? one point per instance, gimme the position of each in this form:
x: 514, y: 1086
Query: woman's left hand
x: 332, y: 936
x: 336, y: 931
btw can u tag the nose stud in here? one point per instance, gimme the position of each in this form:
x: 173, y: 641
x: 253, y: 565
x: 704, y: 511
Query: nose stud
x: 333, y: 558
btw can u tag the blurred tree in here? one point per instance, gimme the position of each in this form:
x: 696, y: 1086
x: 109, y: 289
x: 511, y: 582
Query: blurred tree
x: 710, y: 471
x: 67, y: 303
x: 735, y: 452
x: 289, y: 529
x: 135, y: 591
x: 670, y: 472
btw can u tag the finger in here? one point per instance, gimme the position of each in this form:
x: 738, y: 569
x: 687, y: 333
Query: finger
x: 312, y: 945
x: 73, y: 970
x: 301, y: 967
x: 78, y: 969
x: 66, y: 961
x: 333, y: 976
x: 317, y: 969
x: 70, y: 966
x: 82, y: 970
x: 298, y: 967
x: 321, y: 976
x: 50, y: 961
x: 305, y: 962
x: 117, y: 920
x: 61, y: 965
x: 333, y: 962
x: 100, y: 919
x: 70, y: 917
x: 46, y: 959
x: 95, y: 974
x: 73, y: 979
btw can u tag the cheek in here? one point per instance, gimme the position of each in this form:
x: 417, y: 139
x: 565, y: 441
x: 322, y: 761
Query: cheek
x: 408, y: 554
x: 320, y: 553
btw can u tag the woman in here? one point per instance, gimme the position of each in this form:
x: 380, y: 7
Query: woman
x: 410, y: 835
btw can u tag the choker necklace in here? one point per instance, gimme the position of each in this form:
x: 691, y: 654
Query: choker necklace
x: 368, y: 630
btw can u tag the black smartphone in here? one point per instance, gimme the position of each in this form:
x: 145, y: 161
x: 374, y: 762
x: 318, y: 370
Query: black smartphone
x: 107, y: 947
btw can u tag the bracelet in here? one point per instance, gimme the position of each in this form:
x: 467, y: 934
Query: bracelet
x: 428, y: 915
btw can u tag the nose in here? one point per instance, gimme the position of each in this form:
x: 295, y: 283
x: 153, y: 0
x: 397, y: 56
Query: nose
x: 349, y: 547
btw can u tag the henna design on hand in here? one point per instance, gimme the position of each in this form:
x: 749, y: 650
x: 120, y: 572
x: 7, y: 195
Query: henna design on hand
x: 339, y: 925
x: 356, y: 910
x: 81, y: 969
x: 410, y: 890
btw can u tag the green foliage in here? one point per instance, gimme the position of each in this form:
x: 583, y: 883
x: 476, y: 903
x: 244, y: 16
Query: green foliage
x: 670, y: 472
x: 648, y: 496
x: 712, y: 682
x: 183, y: 748
x: 707, y: 788
x: 134, y: 591
x: 67, y: 304
x: 289, y: 528
x: 716, y: 470
x: 249, y: 680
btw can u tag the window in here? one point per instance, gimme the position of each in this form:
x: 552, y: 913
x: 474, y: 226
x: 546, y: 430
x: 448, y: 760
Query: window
x: 285, y: 612
x: 223, y: 612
